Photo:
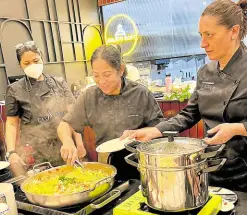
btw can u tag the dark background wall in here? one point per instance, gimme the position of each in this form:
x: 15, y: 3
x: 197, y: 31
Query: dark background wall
x: 66, y: 31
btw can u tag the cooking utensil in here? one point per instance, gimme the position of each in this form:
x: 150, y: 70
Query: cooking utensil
x: 174, y: 171
x: 79, y: 163
x: 85, y: 209
x: 178, y: 188
x: 56, y: 201
x: 182, y: 151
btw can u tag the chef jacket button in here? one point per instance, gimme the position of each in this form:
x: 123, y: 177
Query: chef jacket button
x: 235, y: 82
x: 224, y: 102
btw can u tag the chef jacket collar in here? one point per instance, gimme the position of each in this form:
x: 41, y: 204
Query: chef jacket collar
x: 234, y: 58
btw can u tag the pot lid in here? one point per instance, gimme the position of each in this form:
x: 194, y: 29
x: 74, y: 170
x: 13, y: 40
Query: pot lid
x: 180, y: 145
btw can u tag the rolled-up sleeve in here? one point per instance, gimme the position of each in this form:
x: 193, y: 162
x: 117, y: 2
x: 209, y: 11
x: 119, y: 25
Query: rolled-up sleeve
x: 12, y: 105
x: 77, y: 116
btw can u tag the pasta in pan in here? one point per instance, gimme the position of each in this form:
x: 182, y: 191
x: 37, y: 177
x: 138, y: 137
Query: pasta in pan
x: 66, y: 181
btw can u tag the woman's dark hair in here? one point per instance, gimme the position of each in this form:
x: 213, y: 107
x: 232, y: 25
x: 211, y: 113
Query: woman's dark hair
x: 26, y: 47
x: 118, y: 47
x: 229, y: 14
x: 110, y: 54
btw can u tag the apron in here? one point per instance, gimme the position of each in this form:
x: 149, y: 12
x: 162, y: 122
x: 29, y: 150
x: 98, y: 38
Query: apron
x: 38, y: 138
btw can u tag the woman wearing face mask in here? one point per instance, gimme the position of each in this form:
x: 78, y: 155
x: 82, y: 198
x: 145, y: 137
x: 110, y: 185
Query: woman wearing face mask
x: 110, y: 107
x: 35, y: 104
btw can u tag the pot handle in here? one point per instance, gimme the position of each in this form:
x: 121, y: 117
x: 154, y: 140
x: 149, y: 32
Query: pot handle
x: 129, y: 159
x: 107, y: 198
x: 48, y: 164
x: 131, y: 147
x: 170, y: 135
x: 102, y: 181
x: 210, y: 154
x: 104, y: 200
x: 15, y: 179
x: 144, y: 191
x: 214, y: 165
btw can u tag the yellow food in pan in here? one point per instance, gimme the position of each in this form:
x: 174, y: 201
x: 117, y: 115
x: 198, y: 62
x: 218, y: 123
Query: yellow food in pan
x: 56, y: 183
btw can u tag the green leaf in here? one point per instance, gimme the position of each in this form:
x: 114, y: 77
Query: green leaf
x: 179, y: 94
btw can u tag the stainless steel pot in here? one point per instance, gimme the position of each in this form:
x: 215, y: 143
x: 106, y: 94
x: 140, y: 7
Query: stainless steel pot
x: 174, y: 171
x: 58, y: 201
x: 175, y: 189
x: 153, y: 151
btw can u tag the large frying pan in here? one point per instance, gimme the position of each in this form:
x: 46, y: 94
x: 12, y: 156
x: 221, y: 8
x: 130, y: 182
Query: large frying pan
x: 57, y: 201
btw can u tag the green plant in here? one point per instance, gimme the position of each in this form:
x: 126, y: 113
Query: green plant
x: 179, y: 94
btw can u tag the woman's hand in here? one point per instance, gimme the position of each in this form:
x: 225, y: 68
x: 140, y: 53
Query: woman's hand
x: 144, y: 134
x: 69, y: 151
x: 16, y: 159
x: 79, y: 144
x: 81, y: 151
x: 224, y: 132
x: 17, y: 165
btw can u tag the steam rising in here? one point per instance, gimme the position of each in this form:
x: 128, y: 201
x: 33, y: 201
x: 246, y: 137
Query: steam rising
x: 43, y: 136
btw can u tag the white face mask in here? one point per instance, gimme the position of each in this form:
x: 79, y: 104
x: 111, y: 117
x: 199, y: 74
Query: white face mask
x: 34, y: 70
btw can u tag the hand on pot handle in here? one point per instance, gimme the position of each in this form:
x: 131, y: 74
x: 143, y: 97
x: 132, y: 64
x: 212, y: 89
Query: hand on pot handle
x: 144, y: 134
x: 69, y: 151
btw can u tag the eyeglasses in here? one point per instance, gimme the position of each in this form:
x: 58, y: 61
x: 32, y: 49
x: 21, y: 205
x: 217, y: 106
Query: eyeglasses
x: 25, y: 44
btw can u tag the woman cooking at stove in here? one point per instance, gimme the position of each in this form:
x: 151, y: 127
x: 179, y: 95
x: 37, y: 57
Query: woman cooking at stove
x: 35, y: 104
x: 220, y: 97
x: 112, y: 106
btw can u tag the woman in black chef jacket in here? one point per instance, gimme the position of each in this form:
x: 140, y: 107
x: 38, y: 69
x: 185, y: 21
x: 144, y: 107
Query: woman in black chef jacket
x: 220, y: 96
x: 35, y: 104
x: 112, y: 106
